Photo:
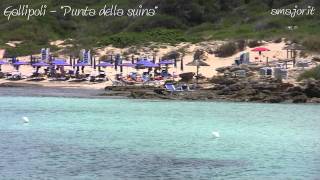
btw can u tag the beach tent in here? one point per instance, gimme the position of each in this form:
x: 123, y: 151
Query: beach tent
x: 85, y: 57
x: 244, y: 58
x: 265, y: 71
x: 280, y: 73
x: 45, y: 54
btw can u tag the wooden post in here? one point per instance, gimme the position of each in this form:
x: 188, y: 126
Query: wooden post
x: 181, y: 64
x: 94, y: 63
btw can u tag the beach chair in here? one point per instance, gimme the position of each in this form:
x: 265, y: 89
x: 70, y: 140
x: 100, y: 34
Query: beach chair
x: 303, y: 64
x: 171, y: 88
x: 79, y: 78
x: 59, y: 77
x: 133, y: 75
x: 115, y: 82
x: 101, y: 77
x: 165, y: 74
x: 148, y: 81
x: 36, y: 76
x: 15, y: 75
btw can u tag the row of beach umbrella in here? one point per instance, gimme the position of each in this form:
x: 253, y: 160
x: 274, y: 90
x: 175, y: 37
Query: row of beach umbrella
x: 144, y: 63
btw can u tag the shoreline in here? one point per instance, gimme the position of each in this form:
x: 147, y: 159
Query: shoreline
x: 36, y: 90
x: 21, y: 89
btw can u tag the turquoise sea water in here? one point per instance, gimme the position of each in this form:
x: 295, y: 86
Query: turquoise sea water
x: 70, y: 138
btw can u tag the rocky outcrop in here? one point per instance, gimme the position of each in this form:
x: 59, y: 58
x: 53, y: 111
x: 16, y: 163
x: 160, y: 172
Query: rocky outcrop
x: 312, y: 89
x: 300, y: 99
x: 265, y: 90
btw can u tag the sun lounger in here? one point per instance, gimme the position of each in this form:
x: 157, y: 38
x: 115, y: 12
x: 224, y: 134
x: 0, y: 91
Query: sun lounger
x: 171, y: 88
x: 15, y: 75
x: 116, y: 82
x: 36, y: 77
x: 79, y: 78
x: 101, y: 77
x: 59, y: 77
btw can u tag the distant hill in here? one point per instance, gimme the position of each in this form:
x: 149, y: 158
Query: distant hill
x: 176, y: 21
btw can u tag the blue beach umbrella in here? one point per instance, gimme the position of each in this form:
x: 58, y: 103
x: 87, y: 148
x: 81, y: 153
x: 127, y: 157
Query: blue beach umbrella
x: 2, y: 62
x: 20, y: 63
x: 82, y: 64
x: 60, y: 62
x: 166, y: 63
x: 39, y: 65
x: 127, y: 65
x: 146, y: 64
x: 17, y: 64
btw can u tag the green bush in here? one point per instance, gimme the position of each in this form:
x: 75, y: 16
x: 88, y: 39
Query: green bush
x: 160, y: 21
x: 26, y: 48
x: 202, y: 27
x: 227, y: 50
x: 312, y: 44
x: 241, y: 44
x: 125, y: 39
x: 253, y: 43
x: 313, y: 73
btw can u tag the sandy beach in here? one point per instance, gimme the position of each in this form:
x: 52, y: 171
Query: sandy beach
x: 276, y: 53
